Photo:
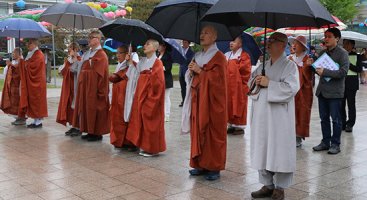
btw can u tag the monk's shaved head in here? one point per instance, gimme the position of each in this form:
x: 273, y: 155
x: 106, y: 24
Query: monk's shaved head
x: 208, y: 36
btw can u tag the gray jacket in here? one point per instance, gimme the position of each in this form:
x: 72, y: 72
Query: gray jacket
x: 334, y: 88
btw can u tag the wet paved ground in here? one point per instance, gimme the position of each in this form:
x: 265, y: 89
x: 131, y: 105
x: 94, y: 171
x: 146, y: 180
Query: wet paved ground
x: 45, y: 164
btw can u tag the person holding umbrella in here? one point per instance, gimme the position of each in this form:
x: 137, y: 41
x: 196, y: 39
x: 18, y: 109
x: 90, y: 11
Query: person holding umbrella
x: 205, y: 108
x: 330, y: 92
x: 11, y: 94
x: 304, y: 96
x: 66, y: 107
x: 273, y: 142
x: 91, y: 113
x: 238, y: 74
x: 146, y: 123
x: 33, y: 100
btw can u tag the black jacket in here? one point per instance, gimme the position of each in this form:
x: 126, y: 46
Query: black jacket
x: 167, y: 63
x: 352, y: 81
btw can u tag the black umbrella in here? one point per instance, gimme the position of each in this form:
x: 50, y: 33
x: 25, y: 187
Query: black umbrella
x: 269, y: 14
x: 131, y: 31
x: 180, y: 19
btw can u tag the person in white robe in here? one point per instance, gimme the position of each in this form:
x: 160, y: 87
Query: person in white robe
x: 273, y: 142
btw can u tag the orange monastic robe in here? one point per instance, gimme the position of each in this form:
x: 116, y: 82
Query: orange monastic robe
x: 33, y: 98
x: 118, y: 124
x: 208, y: 127
x: 10, y: 96
x: 304, y: 100
x: 91, y: 113
x: 238, y: 74
x: 146, y: 126
x: 65, y: 111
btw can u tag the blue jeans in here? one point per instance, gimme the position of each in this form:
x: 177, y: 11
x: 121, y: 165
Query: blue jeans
x: 333, y: 108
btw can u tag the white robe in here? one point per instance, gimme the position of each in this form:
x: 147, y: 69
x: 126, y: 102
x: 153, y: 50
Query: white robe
x: 273, y: 126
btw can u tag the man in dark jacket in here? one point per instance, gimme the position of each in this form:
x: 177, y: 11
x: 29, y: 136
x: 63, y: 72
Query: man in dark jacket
x: 183, y: 68
x: 351, y: 86
x: 330, y: 92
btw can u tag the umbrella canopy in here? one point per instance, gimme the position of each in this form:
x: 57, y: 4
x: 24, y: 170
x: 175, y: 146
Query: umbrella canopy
x: 73, y: 15
x: 22, y: 28
x: 248, y: 44
x: 112, y: 45
x: 359, y: 38
x: 180, y: 19
x: 177, y: 52
x: 269, y: 13
x: 130, y: 31
x: 314, y: 30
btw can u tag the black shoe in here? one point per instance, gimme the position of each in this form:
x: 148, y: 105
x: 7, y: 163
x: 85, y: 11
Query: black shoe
x: 348, y: 129
x: 93, y: 138
x: 85, y: 137
x: 75, y: 133
x: 334, y: 149
x: 231, y: 130
x: 321, y: 147
x: 34, y: 126
x: 198, y: 172
x: 181, y: 104
x: 212, y: 175
x: 67, y: 133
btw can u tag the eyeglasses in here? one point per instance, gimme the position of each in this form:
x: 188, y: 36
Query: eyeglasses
x: 271, y: 40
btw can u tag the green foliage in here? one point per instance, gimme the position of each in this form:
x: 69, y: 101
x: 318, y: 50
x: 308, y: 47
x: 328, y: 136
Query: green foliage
x: 142, y: 8
x: 345, y: 10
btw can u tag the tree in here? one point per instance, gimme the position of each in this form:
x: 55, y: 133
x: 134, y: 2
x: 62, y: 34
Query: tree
x: 142, y: 8
x: 345, y: 10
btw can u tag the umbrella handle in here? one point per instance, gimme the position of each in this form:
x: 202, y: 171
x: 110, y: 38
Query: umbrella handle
x: 254, y: 89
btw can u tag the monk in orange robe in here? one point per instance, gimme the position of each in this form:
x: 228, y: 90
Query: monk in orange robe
x: 33, y: 93
x: 66, y: 105
x: 119, y: 80
x: 146, y: 124
x: 91, y: 113
x: 10, y: 96
x: 304, y: 97
x: 205, y: 108
x: 238, y: 74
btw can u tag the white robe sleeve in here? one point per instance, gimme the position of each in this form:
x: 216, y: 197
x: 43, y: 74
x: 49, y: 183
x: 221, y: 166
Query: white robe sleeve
x: 284, y: 90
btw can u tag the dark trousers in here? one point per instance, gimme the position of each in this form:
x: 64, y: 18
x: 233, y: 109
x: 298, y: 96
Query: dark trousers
x: 327, y: 108
x: 183, y: 87
x: 350, y: 100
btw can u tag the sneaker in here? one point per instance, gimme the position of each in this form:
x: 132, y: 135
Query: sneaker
x: 85, y: 137
x: 298, y: 141
x: 67, y: 133
x: 321, y: 147
x: 212, y: 175
x: 262, y: 193
x: 348, y: 129
x: 278, y: 194
x: 334, y: 149
x: 75, y: 133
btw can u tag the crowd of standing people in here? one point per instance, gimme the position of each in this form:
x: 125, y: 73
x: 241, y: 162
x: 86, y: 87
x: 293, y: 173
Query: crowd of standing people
x: 214, y: 90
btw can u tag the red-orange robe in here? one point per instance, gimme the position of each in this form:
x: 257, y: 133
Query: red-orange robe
x: 33, y: 98
x: 238, y: 74
x: 146, y: 125
x: 65, y: 112
x: 304, y: 100
x: 10, y: 96
x: 91, y: 113
x: 118, y: 124
x: 208, y: 127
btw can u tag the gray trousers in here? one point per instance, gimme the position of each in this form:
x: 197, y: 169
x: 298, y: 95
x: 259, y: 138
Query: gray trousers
x: 276, y: 179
